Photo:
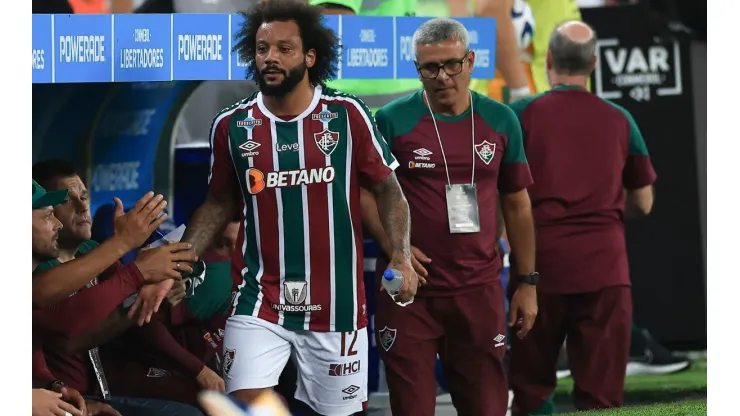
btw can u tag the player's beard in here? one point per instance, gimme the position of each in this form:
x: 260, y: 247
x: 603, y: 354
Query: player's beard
x: 290, y: 79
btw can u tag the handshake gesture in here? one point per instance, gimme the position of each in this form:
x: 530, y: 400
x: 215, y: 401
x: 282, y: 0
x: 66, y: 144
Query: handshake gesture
x: 160, y: 266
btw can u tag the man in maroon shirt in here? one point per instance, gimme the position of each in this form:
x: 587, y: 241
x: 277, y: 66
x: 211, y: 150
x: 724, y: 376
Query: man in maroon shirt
x: 45, y: 236
x: 591, y: 168
x: 94, y: 303
x: 189, y: 355
x: 459, y: 152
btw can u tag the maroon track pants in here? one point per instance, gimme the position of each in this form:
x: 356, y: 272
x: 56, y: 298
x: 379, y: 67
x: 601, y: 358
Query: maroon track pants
x: 467, y: 330
x: 597, y: 326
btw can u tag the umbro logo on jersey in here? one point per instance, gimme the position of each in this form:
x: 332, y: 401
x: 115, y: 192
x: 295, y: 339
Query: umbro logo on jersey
x: 258, y: 181
x: 248, y: 149
x: 422, y: 154
x: 249, y: 123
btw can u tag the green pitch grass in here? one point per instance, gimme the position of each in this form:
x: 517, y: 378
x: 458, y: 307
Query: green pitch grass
x: 689, y: 408
x: 654, y: 388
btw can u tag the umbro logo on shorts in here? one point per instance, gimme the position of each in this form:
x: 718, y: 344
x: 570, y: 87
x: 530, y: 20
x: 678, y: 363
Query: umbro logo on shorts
x: 499, y: 340
x: 350, y: 390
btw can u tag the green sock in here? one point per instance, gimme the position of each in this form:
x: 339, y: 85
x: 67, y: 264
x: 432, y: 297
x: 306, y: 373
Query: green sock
x: 547, y: 408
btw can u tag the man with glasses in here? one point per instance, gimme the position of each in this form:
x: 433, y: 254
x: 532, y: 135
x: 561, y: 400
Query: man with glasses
x: 458, y: 152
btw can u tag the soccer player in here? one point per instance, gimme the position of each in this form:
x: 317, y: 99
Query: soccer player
x: 459, y: 152
x: 292, y: 158
x: 591, y: 169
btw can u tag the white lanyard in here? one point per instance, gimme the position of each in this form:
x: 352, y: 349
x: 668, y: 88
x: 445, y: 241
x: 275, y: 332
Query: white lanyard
x: 439, y: 139
x: 97, y: 365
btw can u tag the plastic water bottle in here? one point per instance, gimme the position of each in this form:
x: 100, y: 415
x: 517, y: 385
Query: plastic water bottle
x: 392, y: 281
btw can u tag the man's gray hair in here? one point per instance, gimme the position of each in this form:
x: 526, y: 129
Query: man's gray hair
x: 439, y: 30
x: 570, y: 57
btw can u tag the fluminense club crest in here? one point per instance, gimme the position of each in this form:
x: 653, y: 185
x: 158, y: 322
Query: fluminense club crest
x: 387, y: 337
x: 327, y: 141
x: 229, y: 356
x: 486, y: 151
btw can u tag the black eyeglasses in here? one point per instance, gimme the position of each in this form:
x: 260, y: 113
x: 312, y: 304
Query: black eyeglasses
x: 451, y: 68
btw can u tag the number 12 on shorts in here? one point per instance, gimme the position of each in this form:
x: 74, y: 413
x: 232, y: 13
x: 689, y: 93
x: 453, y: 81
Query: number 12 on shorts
x: 348, y: 349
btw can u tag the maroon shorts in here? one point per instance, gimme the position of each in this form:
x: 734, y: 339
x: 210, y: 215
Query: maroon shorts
x: 597, y: 326
x: 466, y: 330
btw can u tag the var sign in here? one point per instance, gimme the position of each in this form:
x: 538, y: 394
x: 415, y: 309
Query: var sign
x: 639, y: 71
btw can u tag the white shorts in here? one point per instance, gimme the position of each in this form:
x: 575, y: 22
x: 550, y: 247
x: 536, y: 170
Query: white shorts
x: 332, y: 366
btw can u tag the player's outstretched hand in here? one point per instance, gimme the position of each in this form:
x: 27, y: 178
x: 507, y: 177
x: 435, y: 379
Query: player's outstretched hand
x: 523, y: 309
x: 410, y: 278
x: 136, y: 225
x: 418, y: 260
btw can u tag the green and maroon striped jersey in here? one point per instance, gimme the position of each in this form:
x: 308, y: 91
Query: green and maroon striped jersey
x: 494, y: 147
x: 583, y: 152
x: 299, y: 259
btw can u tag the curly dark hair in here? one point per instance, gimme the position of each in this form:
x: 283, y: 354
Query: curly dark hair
x: 314, y: 35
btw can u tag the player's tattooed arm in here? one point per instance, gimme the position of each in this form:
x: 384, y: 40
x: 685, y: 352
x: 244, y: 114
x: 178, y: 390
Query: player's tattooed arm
x: 393, y: 210
x: 210, y: 220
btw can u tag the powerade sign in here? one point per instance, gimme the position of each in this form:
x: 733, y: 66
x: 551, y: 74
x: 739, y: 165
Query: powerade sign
x: 201, y: 46
x: 83, y: 48
x: 183, y: 46
x: 125, y: 141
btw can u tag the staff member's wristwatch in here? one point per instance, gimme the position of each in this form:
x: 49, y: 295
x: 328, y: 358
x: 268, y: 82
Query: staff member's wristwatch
x: 530, y: 279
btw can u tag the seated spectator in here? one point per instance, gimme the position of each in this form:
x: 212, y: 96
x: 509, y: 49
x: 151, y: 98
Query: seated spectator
x: 48, y: 395
x: 98, y: 302
x: 191, y: 359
